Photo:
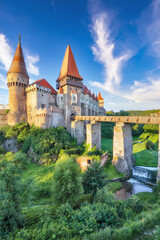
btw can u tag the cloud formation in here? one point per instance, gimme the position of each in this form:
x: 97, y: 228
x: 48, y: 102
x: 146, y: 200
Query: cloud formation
x: 6, y: 52
x: 103, y: 50
x: 31, y: 60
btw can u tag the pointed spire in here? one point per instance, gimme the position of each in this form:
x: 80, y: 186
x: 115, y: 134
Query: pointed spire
x: 100, y: 97
x: 93, y: 96
x: 90, y: 94
x: 18, y: 63
x: 86, y: 91
x: 69, y: 66
x: 60, y: 90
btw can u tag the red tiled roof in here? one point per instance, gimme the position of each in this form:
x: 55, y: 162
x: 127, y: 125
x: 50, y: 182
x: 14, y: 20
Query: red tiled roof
x: 90, y: 94
x: 60, y: 90
x: 100, y: 97
x: 44, y: 83
x: 96, y: 98
x: 69, y: 66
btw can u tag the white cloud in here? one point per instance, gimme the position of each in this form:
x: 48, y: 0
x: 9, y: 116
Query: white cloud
x: 31, y: 60
x: 3, y: 81
x: 6, y: 52
x: 145, y: 92
x: 103, y: 50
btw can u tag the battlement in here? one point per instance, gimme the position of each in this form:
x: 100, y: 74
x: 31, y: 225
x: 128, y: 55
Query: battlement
x: 37, y: 87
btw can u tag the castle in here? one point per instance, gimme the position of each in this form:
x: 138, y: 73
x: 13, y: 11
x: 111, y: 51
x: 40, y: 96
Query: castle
x: 40, y: 104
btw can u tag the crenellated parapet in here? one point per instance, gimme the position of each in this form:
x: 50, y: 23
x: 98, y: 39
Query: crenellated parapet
x: 36, y: 87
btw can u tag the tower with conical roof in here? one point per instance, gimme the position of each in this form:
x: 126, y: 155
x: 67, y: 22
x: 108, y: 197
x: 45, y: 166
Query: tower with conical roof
x: 17, y: 81
x: 70, y: 81
x: 100, y: 100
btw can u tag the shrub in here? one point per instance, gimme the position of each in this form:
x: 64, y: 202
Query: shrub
x: 10, y: 189
x: 94, y: 178
x: 2, y: 150
x: 150, y: 145
x: 67, y: 181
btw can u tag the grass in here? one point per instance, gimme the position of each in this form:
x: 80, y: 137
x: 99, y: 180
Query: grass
x: 107, y: 144
x: 37, y: 181
x: 143, y: 156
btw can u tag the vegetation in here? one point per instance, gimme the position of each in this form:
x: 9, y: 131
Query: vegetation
x: 67, y: 181
x: 42, y: 195
x: 94, y: 178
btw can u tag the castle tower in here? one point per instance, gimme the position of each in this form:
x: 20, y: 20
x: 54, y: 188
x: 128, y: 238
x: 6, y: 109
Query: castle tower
x: 100, y: 100
x: 71, y: 83
x: 17, y: 81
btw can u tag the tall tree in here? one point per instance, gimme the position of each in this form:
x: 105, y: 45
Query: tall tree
x: 94, y: 178
x: 67, y: 181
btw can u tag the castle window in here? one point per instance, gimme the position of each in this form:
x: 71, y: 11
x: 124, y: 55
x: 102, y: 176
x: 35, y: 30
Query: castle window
x: 74, y: 98
x: 70, y: 88
x: 42, y: 95
x: 42, y: 106
x: 61, y: 98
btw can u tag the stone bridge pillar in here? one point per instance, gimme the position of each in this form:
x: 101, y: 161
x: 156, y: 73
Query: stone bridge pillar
x: 122, y: 148
x: 93, y: 134
x: 158, y: 168
x: 78, y: 131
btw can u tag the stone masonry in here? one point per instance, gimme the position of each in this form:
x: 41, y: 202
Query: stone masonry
x: 122, y: 148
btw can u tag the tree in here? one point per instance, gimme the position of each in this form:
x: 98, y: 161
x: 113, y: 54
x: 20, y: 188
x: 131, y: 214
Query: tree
x: 67, y: 181
x: 94, y: 178
x: 10, y: 188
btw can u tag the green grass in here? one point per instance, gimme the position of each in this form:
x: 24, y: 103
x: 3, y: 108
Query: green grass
x: 37, y: 181
x: 143, y: 156
x: 107, y: 144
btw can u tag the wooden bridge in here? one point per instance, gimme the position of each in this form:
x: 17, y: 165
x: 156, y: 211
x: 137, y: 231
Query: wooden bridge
x: 89, y: 128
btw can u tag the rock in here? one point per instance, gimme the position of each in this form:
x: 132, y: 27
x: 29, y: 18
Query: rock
x: 31, y: 154
x: 11, y: 145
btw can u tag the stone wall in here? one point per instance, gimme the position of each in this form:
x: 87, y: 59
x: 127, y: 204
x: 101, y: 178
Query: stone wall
x: 93, y: 134
x: 122, y: 148
x: 3, y: 117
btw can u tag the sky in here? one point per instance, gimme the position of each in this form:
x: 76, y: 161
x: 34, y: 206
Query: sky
x: 115, y: 43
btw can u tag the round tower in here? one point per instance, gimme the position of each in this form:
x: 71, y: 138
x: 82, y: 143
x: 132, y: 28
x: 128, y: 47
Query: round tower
x: 17, y: 81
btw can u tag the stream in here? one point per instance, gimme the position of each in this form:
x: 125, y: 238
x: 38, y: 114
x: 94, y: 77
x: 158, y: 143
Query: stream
x: 143, y: 179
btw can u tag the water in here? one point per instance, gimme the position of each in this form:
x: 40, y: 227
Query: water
x: 142, y: 180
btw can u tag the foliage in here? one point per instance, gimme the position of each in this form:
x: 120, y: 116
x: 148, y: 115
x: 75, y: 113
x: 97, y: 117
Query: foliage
x: 67, y: 181
x: 150, y: 145
x: 137, y: 129
x: 2, y: 150
x: 48, y: 142
x: 10, y: 189
x: 151, y: 128
x: 107, y: 129
x: 94, y: 178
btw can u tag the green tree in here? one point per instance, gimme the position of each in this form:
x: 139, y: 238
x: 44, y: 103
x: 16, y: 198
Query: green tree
x: 94, y: 178
x: 67, y: 181
x: 10, y: 188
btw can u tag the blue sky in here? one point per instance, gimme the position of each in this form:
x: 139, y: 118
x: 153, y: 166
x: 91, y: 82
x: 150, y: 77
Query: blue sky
x: 116, y: 45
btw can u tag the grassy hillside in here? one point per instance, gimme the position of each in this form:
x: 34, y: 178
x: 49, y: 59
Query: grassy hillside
x: 143, y: 156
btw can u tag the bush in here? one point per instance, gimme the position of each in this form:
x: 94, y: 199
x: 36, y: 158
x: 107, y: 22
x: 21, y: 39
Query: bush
x: 2, y: 150
x: 67, y: 181
x: 94, y: 178
x: 10, y: 189
x: 150, y: 145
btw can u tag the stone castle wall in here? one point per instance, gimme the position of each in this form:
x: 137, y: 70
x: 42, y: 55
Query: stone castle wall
x: 3, y: 117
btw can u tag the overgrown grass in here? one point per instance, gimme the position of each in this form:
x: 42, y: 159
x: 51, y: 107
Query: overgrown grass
x: 37, y: 182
